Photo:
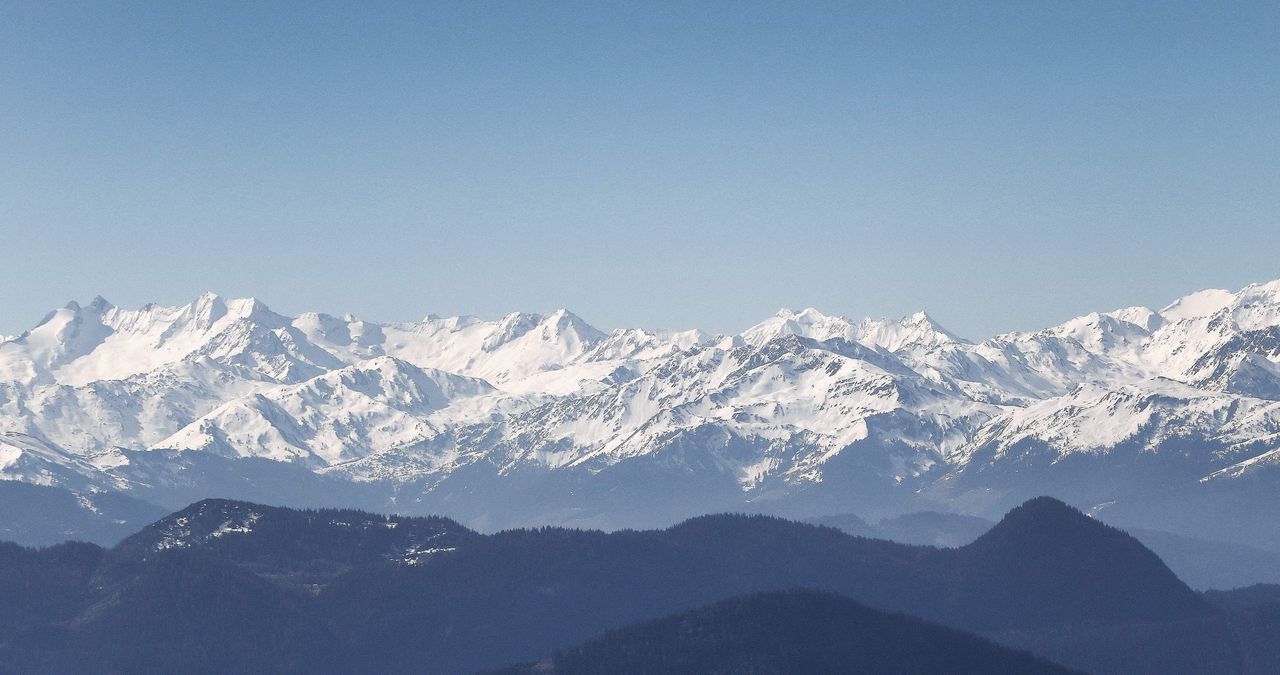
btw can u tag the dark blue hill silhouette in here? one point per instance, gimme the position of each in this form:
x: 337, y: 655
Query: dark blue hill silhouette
x: 286, y: 590
x: 306, y: 547
x: 797, y: 631
x: 1202, y: 564
x: 1045, y: 563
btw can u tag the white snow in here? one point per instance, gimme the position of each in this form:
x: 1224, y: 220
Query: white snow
x: 245, y: 526
x: 366, y: 401
x: 1198, y: 304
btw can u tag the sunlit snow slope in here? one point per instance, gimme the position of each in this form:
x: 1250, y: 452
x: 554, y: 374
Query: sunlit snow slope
x: 545, y: 417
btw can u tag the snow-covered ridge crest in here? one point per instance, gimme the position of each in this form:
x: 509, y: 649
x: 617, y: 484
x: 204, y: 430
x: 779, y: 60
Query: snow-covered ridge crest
x: 918, y: 329
x: 335, y: 417
x: 794, y: 400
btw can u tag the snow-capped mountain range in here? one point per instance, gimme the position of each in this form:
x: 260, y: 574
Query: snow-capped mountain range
x: 543, y: 418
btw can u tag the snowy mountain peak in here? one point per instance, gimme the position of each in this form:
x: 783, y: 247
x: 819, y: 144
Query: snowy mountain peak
x: 95, y: 393
x: 919, y: 318
x: 1257, y: 306
x: 511, y: 326
x: 1111, y: 332
x: 559, y: 325
x: 808, y: 316
x: 1143, y: 317
x: 564, y: 322
x: 204, y: 311
x: 1267, y: 291
x: 1199, y: 304
x: 209, y: 308
x: 808, y: 323
x: 922, y: 330
x: 916, y: 330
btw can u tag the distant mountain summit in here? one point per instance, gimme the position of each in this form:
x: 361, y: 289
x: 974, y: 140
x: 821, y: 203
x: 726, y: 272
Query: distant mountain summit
x: 1098, y: 571
x: 299, y: 548
x: 1166, y: 419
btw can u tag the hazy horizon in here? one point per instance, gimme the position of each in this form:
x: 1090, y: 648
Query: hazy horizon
x: 1003, y: 167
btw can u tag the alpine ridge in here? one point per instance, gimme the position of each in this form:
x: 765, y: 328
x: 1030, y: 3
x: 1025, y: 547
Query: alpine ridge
x: 1165, y: 419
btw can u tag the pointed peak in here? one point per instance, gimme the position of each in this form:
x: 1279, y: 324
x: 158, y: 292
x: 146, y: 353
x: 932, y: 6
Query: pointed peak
x: 1047, y: 504
x: 564, y: 319
x: 209, y: 306
x: 915, y: 330
x: 562, y: 315
x: 98, y: 304
x: 249, y: 308
x: 919, y: 318
x: 1115, y: 578
x: 922, y: 319
x: 1039, y: 517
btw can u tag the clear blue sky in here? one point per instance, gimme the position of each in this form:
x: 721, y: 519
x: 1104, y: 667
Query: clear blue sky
x: 1002, y: 165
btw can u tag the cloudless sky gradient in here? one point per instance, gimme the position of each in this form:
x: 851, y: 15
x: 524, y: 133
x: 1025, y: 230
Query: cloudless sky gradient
x: 1004, y: 165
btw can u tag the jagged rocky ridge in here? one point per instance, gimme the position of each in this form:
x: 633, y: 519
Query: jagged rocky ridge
x: 1166, y: 419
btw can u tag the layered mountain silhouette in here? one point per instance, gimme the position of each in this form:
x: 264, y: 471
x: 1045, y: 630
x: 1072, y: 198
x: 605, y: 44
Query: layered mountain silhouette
x: 232, y: 586
x: 1201, y: 563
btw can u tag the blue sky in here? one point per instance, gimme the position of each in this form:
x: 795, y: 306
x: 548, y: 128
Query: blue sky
x: 1002, y: 165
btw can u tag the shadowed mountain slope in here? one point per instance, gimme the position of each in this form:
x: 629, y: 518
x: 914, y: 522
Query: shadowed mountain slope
x: 39, y: 515
x: 788, y: 632
x: 266, y: 588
